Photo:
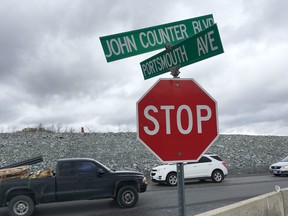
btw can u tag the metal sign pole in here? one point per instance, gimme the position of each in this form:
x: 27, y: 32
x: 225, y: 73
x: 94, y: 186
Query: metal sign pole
x: 180, y: 166
x: 181, y: 189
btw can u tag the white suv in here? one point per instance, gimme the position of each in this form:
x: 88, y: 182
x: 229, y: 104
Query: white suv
x: 210, y: 166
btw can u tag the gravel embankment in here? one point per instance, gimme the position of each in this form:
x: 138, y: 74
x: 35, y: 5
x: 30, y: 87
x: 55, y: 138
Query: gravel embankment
x: 244, y: 154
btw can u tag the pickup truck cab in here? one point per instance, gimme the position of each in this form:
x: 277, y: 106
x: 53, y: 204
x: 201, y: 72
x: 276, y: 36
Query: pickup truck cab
x: 74, y: 179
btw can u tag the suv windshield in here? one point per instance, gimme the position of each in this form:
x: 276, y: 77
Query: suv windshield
x: 285, y: 159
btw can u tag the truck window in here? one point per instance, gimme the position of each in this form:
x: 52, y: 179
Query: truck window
x: 67, y: 169
x: 87, y: 168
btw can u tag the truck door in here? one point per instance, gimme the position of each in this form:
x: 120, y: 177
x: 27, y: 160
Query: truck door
x: 93, y: 181
x: 65, y: 181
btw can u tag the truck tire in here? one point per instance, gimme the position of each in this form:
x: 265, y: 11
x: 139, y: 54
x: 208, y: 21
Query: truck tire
x: 21, y: 205
x: 127, y: 196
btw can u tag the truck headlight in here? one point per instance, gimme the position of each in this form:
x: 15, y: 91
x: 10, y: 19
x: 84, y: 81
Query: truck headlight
x: 144, y: 180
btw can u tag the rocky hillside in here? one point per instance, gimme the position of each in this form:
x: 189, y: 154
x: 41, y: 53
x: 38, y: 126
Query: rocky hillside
x: 244, y: 154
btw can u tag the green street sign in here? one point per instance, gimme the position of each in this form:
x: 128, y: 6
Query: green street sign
x: 203, y: 45
x: 123, y: 45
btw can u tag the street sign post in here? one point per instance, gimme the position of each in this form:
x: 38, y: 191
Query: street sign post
x: 203, y: 45
x: 123, y: 45
x: 177, y: 120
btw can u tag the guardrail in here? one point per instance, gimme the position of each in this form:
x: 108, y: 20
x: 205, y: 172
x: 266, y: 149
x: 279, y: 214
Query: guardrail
x: 270, y: 204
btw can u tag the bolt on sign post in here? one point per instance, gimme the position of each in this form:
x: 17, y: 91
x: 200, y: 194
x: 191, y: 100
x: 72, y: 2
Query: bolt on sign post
x: 123, y: 45
x: 203, y: 45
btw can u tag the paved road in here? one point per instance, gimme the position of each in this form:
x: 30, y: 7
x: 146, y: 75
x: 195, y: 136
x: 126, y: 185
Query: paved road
x: 162, y: 200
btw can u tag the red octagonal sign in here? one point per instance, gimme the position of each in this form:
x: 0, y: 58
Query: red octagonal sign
x: 177, y: 120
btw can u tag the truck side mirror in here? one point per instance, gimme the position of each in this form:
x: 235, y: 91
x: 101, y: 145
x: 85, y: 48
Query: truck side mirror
x: 100, y: 171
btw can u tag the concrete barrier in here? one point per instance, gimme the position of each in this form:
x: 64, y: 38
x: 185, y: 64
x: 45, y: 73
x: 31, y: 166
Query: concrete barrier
x: 270, y: 204
x: 285, y: 200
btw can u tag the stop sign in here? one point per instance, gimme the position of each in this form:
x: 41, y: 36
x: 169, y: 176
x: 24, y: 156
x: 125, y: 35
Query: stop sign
x: 177, y: 120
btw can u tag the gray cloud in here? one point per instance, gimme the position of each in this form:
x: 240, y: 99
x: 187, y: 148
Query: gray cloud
x: 53, y: 70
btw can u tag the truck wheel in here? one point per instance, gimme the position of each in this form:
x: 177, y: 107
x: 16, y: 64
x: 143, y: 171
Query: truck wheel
x: 127, y: 196
x: 21, y: 205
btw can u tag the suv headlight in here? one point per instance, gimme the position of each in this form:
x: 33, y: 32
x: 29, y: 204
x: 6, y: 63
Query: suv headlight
x: 285, y: 167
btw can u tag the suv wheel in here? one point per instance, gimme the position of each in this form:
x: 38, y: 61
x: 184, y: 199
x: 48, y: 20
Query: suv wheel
x: 217, y: 176
x: 127, y: 196
x: 21, y: 206
x: 171, y: 179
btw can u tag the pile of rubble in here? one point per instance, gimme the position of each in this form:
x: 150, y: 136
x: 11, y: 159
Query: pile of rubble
x: 244, y: 154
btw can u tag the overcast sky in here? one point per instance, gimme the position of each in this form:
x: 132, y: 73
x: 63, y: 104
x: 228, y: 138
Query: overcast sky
x: 53, y: 70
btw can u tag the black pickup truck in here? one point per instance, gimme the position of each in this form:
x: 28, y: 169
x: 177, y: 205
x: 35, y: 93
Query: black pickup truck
x: 73, y: 179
